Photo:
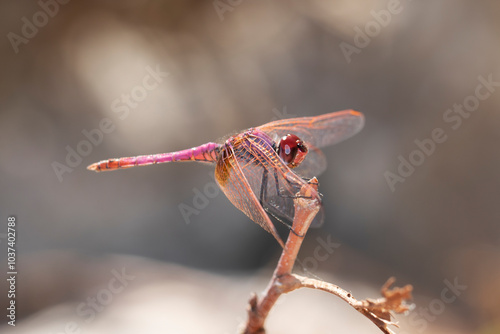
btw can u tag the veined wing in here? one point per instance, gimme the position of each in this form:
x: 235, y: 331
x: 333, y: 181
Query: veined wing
x: 318, y: 131
x: 232, y: 181
x: 313, y: 165
x: 274, y: 184
x: 254, y: 178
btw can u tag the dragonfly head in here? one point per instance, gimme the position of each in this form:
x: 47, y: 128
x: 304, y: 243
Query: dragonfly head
x: 292, y: 150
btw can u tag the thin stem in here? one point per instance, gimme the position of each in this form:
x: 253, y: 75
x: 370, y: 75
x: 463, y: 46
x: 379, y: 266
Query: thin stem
x: 360, y: 306
x: 378, y: 311
x: 306, y: 208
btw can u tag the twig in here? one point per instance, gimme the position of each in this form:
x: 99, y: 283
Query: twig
x: 378, y: 311
x: 306, y: 208
x: 283, y: 281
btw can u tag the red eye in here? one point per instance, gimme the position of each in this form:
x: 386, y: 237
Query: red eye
x: 292, y: 150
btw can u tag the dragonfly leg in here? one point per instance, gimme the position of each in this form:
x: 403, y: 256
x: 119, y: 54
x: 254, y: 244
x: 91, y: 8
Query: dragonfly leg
x: 277, y: 184
x: 263, y: 187
x: 278, y: 190
x: 284, y: 223
x: 263, y: 194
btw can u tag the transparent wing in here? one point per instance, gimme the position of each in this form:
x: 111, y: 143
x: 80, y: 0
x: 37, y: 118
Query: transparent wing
x: 313, y: 165
x: 254, y: 178
x: 318, y: 131
x: 237, y: 189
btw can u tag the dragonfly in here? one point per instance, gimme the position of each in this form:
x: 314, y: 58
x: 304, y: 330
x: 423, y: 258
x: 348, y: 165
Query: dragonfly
x: 261, y: 169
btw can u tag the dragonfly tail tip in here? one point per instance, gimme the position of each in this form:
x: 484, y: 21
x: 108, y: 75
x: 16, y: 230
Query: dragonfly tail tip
x: 94, y: 167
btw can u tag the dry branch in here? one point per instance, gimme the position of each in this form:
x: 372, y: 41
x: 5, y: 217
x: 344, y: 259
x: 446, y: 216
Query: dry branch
x: 283, y: 281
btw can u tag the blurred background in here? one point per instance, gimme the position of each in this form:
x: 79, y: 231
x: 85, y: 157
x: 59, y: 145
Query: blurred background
x: 160, y: 249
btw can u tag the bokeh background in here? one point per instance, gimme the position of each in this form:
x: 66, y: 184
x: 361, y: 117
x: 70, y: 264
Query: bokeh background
x: 233, y: 65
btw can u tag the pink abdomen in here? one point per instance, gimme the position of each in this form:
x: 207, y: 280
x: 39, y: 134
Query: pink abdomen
x: 206, y: 153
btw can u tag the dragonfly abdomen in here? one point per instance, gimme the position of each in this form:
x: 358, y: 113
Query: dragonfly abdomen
x: 205, y: 153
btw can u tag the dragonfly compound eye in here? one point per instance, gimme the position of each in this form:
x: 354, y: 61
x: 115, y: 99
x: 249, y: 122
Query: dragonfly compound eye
x: 292, y: 150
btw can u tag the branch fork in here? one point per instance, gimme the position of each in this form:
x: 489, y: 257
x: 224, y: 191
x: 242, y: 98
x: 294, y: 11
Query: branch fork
x: 283, y: 281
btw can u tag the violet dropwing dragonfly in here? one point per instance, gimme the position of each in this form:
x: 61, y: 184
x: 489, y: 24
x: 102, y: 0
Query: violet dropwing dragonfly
x: 261, y: 169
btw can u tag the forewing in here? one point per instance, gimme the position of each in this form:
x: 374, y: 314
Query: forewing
x: 313, y: 165
x: 272, y: 183
x: 234, y: 184
x: 318, y: 131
